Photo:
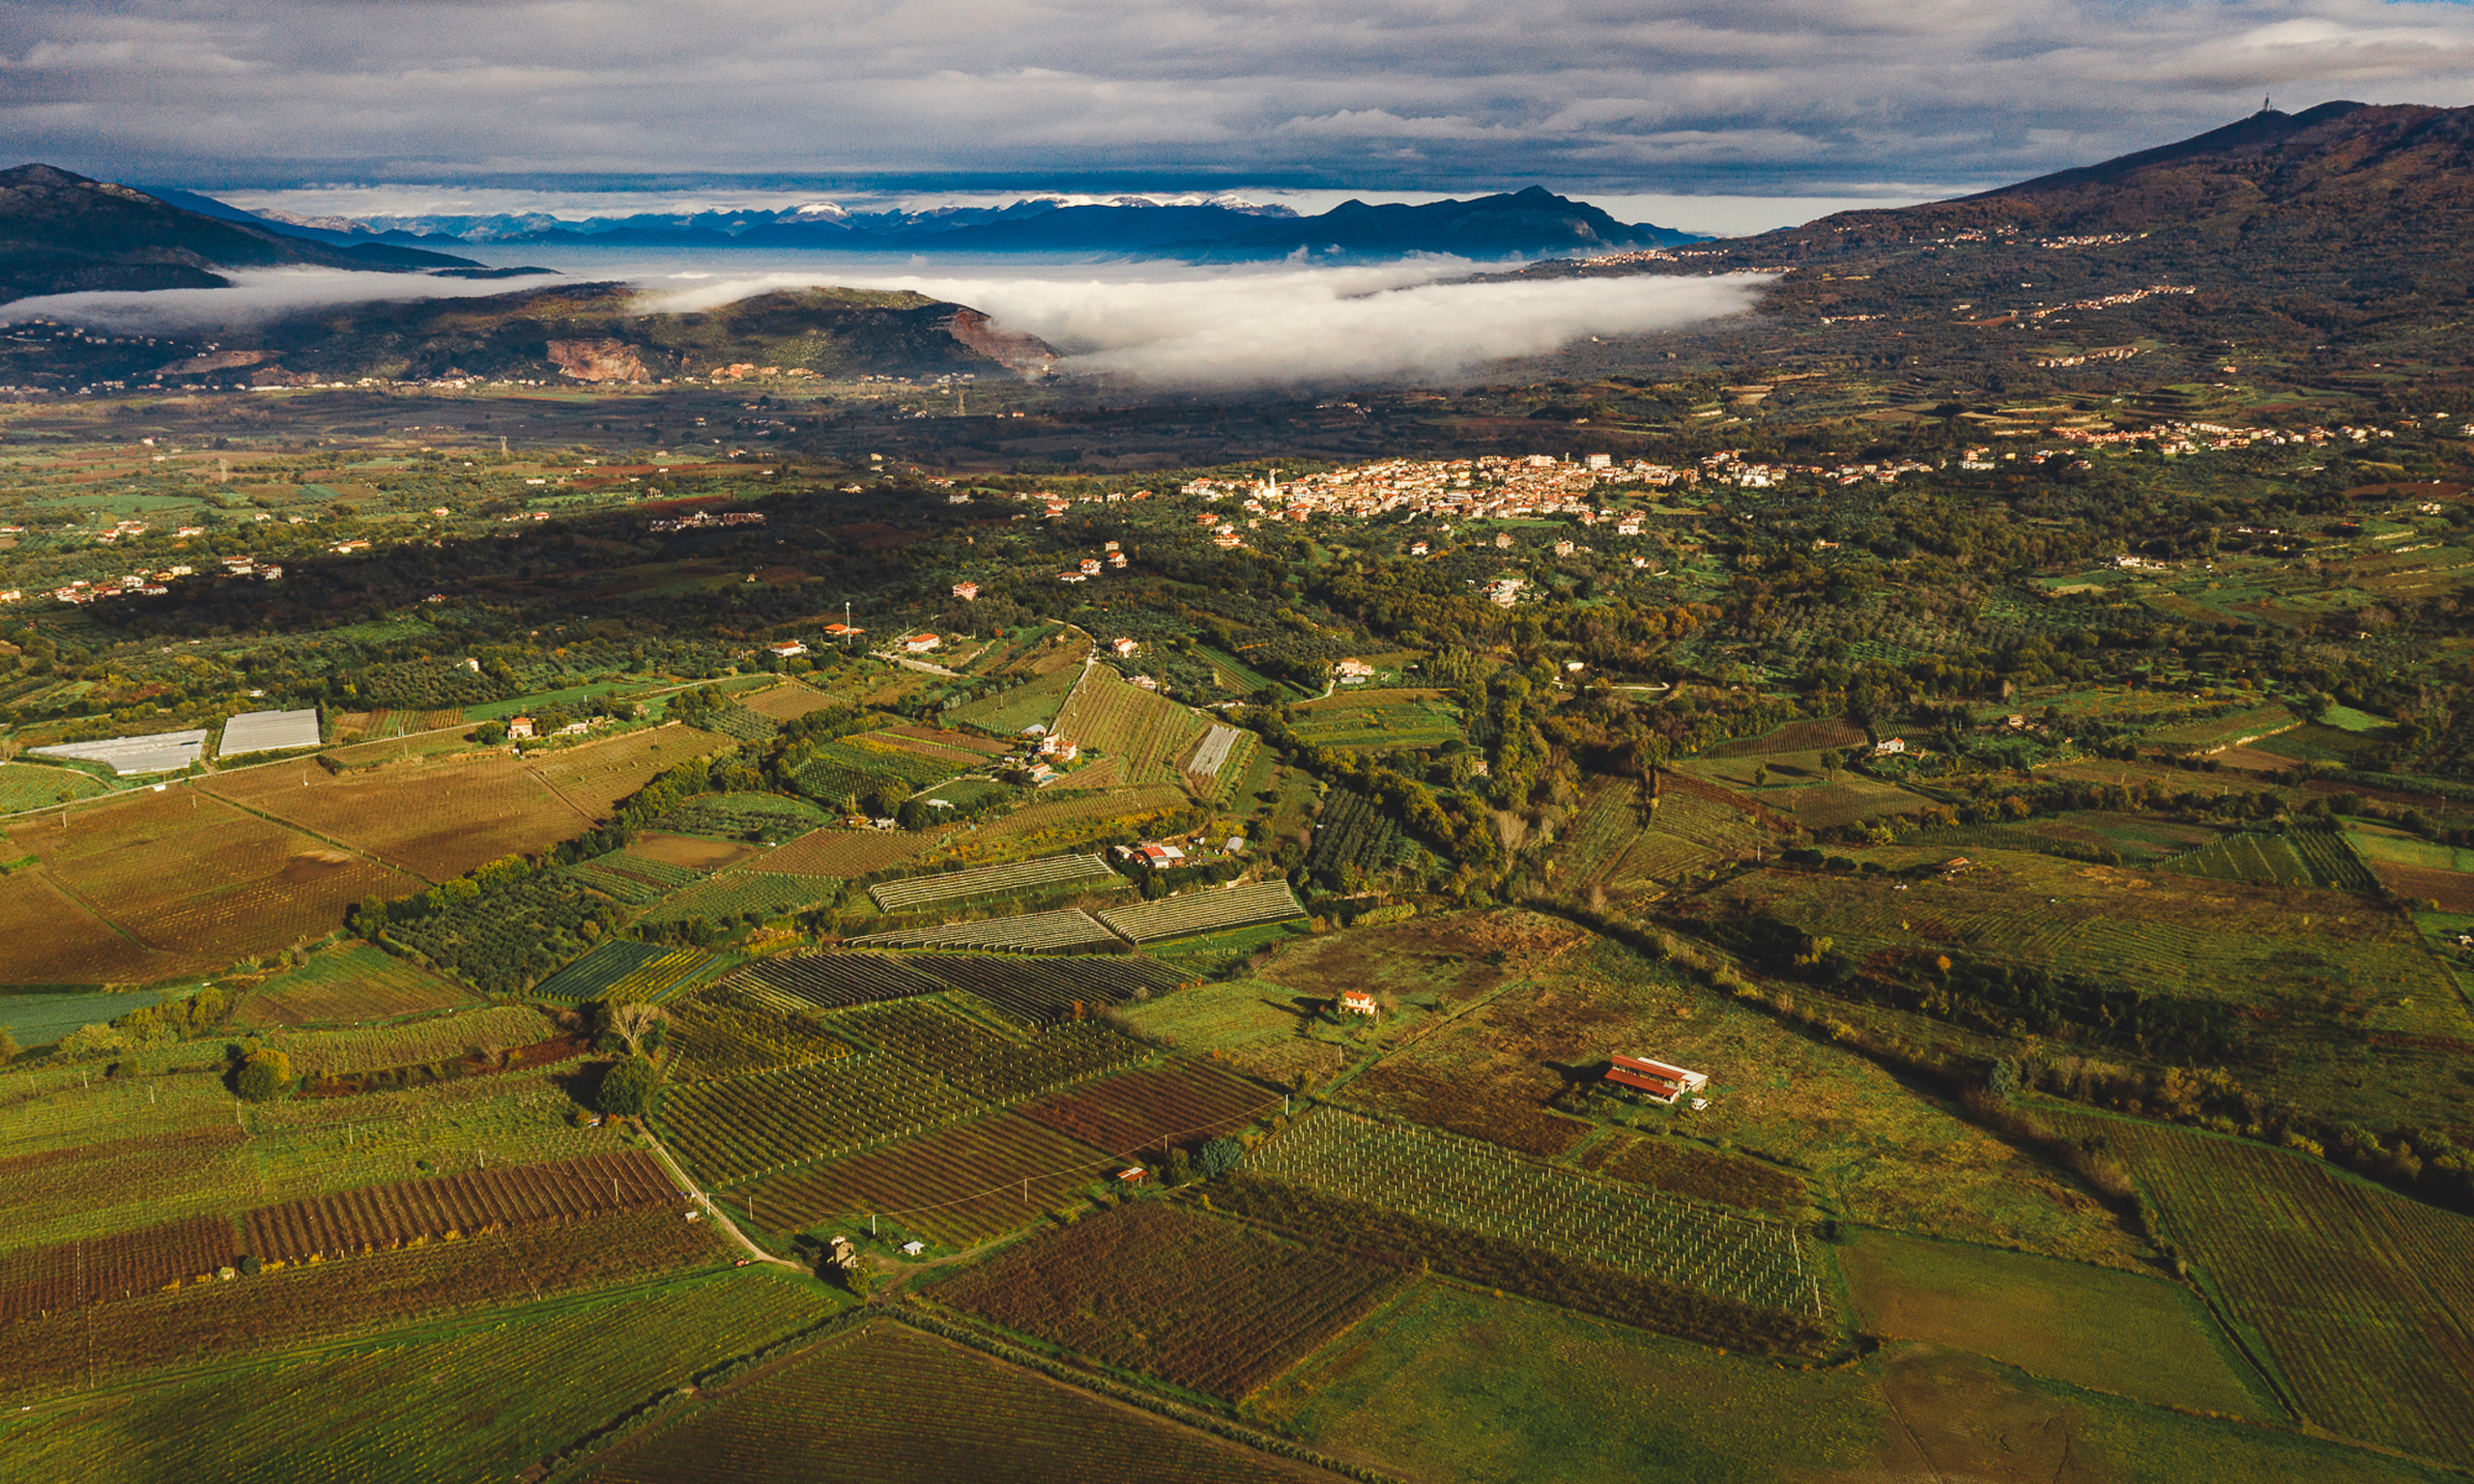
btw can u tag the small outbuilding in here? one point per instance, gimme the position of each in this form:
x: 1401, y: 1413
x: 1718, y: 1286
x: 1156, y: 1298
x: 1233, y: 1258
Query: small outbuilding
x: 1356, y: 1002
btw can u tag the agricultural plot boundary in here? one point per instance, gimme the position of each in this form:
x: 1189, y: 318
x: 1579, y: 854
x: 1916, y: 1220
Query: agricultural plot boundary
x: 1208, y: 910
x: 982, y: 1176
x: 1067, y: 927
x: 1204, y: 1303
x: 2361, y: 1297
x: 381, y: 1218
x: 625, y: 971
x: 1464, y: 1183
x: 2301, y: 858
x: 740, y: 1128
x: 913, y: 893
x: 820, y: 980
x: 71, y: 1274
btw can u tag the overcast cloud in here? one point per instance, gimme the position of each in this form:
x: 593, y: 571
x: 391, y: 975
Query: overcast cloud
x: 1760, y: 97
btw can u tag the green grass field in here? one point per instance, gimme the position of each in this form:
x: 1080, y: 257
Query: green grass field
x: 32, y: 785
x: 1447, y: 1385
x: 40, y: 1019
x: 2140, y: 1337
x: 460, y: 1401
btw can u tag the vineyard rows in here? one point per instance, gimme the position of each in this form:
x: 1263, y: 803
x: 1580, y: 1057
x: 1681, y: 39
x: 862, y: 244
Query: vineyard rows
x: 304, y: 1304
x: 1352, y: 831
x: 958, y: 1185
x: 641, y: 968
x: 1023, y: 932
x: 760, y: 894
x: 727, y: 1029
x: 1464, y: 1183
x: 54, y: 1279
x: 2364, y: 1298
x: 1042, y: 991
x: 386, y: 1216
x: 741, y: 1127
x: 834, y: 980
x: 659, y: 979
x: 810, y: 1422
x: 475, y: 1402
x: 1180, y: 1103
x: 988, y: 1066
x: 1199, y: 1302
x: 1206, y: 909
x: 1055, y: 870
x: 855, y: 765
x: 1118, y: 718
x: 2245, y: 857
x: 2332, y: 859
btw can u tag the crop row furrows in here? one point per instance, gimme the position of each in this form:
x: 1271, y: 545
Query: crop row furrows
x: 745, y: 1127
x: 51, y: 1279
x: 2318, y: 1262
x: 385, y: 1215
x: 1460, y: 1183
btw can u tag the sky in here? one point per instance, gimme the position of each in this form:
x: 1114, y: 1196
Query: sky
x: 1648, y: 101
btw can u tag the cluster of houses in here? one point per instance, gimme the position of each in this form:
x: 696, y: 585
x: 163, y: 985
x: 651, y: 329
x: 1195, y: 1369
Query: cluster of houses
x: 703, y: 519
x: 1111, y: 556
x: 1493, y: 487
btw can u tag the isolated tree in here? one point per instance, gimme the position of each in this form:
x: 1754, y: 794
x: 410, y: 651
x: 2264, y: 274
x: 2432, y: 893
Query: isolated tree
x: 263, y: 1076
x: 1831, y: 762
x: 1219, y: 1157
x: 627, y: 1089
x: 631, y: 1019
x: 2003, y: 1080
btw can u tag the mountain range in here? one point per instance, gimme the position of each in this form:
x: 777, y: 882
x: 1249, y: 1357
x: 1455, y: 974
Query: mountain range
x: 62, y: 233
x: 1525, y: 223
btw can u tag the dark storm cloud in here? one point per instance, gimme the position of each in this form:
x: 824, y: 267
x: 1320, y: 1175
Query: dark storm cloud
x: 1746, y: 94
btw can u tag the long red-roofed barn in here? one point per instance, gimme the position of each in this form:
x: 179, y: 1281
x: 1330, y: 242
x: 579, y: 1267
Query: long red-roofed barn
x: 1659, y: 1080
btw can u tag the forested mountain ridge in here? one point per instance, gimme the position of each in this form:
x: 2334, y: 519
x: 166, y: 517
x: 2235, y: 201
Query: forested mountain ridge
x: 62, y: 233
